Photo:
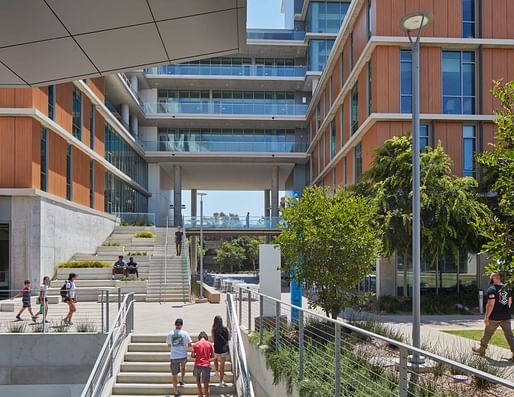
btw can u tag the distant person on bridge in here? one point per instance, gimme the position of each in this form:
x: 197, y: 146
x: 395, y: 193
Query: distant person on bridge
x: 497, y: 314
x: 248, y: 220
x: 203, y: 352
x: 178, y: 341
x: 178, y: 240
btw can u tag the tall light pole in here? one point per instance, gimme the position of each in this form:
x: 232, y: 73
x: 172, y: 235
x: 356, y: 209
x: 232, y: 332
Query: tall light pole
x: 201, y: 243
x: 413, y: 23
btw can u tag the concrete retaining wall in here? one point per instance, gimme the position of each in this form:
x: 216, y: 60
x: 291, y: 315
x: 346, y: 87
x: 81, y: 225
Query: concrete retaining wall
x: 262, y: 377
x: 30, y: 359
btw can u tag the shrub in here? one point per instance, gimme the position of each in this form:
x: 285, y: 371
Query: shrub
x: 144, y: 235
x: 86, y: 326
x: 38, y: 328
x: 110, y: 244
x: 83, y: 264
x: 16, y: 327
x: 60, y: 327
x: 137, y: 253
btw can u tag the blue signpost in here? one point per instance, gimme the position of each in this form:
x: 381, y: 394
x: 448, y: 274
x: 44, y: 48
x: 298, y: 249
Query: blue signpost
x: 296, y: 287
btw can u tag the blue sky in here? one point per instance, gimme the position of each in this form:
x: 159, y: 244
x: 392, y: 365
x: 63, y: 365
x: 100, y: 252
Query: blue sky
x: 260, y: 14
x: 264, y: 14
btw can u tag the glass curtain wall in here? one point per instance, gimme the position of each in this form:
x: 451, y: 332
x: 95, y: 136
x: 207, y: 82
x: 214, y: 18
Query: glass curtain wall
x: 326, y: 16
x: 447, y: 275
x: 120, y: 197
x: 458, y: 75
x: 120, y: 154
x: 228, y: 140
x: 319, y: 50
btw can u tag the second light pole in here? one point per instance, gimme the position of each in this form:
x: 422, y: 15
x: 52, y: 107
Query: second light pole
x: 414, y: 23
x: 201, y: 243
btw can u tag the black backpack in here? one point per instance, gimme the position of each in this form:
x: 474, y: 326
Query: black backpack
x: 64, y: 290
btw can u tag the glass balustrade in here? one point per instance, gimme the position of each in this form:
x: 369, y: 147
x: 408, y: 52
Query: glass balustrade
x: 228, y: 70
x: 227, y: 107
x: 233, y: 222
x: 269, y: 146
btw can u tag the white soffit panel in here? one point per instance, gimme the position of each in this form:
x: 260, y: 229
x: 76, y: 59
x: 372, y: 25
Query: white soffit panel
x: 46, y: 41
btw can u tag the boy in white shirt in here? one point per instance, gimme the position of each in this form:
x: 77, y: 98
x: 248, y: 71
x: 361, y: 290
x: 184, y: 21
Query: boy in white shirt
x: 178, y: 341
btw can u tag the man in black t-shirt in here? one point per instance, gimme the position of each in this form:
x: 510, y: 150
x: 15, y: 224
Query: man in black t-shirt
x: 497, y: 314
x: 178, y: 240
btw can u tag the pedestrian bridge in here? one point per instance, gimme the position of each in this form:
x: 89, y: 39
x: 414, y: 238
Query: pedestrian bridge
x: 232, y: 225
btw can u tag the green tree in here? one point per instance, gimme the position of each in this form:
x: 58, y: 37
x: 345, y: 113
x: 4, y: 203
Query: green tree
x: 250, y: 246
x: 337, y: 240
x: 451, y: 212
x: 229, y: 256
x: 498, y: 164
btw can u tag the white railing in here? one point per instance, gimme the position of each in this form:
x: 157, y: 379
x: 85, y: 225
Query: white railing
x: 103, y: 369
x: 242, y: 376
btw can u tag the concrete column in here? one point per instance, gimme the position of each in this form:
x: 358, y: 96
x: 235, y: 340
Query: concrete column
x: 274, y: 192
x: 157, y: 203
x: 194, y: 240
x: 134, y: 83
x: 125, y: 113
x: 267, y: 206
x: 177, y: 195
x: 134, y: 123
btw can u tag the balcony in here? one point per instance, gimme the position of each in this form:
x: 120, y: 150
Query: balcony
x: 233, y: 146
x: 214, y: 107
x: 275, y: 34
x: 227, y: 70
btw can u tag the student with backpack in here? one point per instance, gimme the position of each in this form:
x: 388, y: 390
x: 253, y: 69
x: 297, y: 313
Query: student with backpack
x: 69, y: 296
x: 25, y: 294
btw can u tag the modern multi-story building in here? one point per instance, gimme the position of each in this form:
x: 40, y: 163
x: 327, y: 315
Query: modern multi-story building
x: 364, y: 97
x: 278, y: 111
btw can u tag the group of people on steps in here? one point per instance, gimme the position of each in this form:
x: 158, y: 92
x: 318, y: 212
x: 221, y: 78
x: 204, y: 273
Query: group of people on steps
x: 203, y: 351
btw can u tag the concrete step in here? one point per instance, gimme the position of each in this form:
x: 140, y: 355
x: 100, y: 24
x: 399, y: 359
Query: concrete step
x: 160, y: 377
x: 138, y: 389
x: 154, y: 367
x: 148, y: 347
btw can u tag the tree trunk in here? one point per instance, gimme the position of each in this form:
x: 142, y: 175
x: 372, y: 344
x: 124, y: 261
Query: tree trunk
x: 405, y: 271
x: 437, y: 282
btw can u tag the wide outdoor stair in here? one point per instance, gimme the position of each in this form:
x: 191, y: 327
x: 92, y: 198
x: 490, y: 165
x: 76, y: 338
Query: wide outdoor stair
x: 145, y: 371
x: 168, y: 276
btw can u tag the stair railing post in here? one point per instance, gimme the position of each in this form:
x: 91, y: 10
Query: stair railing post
x: 249, y: 311
x: 337, y: 360
x: 102, y: 311
x: 240, y: 306
x: 277, y: 325
x: 301, y: 346
x: 261, y: 319
x: 119, y: 298
x: 107, y: 306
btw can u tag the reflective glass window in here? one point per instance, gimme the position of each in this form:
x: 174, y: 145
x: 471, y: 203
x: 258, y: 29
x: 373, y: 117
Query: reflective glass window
x: 405, y: 81
x: 469, y: 145
x: 458, y: 76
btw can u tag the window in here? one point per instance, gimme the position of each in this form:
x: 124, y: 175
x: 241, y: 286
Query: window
x: 351, y: 50
x: 469, y: 145
x: 341, y: 72
x: 324, y: 104
x: 330, y: 91
x: 405, y: 81
x: 423, y: 137
x: 319, y: 157
x: 319, y: 50
x: 354, y: 107
x: 77, y: 114
x: 333, y: 132
x: 345, y: 172
x: 69, y: 172
x: 357, y: 162
x: 341, y: 132
x: 368, y: 21
x: 44, y: 159
x: 458, y: 71
x: 51, y: 101
x: 318, y: 117
x: 92, y: 183
x: 326, y: 16
x: 468, y: 18
x: 370, y: 97
x: 323, y: 152
x: 92, y: 127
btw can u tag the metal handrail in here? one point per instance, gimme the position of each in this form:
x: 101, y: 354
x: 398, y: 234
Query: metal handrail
x: 403, y: 347
x: 242, y: 376
x: 104, y: 365
x: 185, y: 251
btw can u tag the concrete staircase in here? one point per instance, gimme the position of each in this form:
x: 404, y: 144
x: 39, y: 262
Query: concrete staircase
x: 145, y: 371
x: 168, y: 275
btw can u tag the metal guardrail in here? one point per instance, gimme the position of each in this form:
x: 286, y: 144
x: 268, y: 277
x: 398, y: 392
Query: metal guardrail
x: 233, y: 222
x: 339, y: 357
x: 103, y: 369
x: 190, y: 69
x: 242, y: 376
x: 136, y: 218
x: 187, y: 280
x: 188, y: 145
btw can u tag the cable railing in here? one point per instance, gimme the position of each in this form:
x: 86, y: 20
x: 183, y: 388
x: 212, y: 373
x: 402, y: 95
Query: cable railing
x: 103, y: 369
x: 93, y: 307
x: 227, y: 107
x: 242, y: 376
x: 331, y: 357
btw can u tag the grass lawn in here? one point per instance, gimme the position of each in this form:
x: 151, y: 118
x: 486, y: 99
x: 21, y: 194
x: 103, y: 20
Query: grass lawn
x: 498, y: 339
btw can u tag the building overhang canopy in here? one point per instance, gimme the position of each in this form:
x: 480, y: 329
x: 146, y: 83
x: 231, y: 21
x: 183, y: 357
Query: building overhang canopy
x: 48, y: 41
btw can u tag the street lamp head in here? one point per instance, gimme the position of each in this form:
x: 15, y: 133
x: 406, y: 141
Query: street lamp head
x: 415, y: 21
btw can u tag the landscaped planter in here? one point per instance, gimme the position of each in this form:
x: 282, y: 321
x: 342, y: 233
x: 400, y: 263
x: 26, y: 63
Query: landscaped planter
x: 89, y: 273
x: 138, y: 286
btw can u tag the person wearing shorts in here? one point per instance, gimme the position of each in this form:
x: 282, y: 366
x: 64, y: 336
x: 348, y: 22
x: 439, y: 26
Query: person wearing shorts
x: 25, y: 294
x: 220, y: 336
x: 43, y: 297
x: 202, y: 352
x: 71, y: 298
x: 178, y: 341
